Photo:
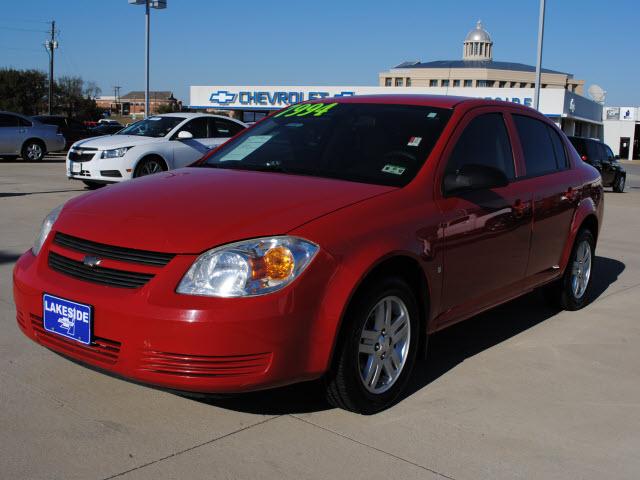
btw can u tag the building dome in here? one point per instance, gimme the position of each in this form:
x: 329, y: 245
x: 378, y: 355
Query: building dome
x: 478, y: 45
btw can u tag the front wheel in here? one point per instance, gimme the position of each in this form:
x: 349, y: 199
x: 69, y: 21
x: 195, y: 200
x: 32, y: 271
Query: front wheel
x: 571, y: 292
x: 377, y: 350
x: 149, y: 166
x: 618, y: 185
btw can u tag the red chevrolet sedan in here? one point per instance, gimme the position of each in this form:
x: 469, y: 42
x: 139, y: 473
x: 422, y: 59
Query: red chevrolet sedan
x: 327, y: 241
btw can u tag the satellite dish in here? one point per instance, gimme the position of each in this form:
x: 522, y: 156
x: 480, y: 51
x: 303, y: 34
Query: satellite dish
x: 597, y: 93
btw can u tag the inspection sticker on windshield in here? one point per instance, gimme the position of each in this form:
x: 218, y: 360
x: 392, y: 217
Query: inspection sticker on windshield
x: 414, y: 141
x: 246, y: 148
x: 388, y: 168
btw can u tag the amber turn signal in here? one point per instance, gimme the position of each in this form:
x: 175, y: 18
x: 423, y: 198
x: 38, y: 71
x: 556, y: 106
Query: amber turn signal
x: 278, y: 263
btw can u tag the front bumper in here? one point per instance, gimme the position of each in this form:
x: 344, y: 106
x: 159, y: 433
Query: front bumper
x: 103, y: 170
x: 155, y: 336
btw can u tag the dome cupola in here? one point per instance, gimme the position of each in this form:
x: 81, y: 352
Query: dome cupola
x: 478, y: 45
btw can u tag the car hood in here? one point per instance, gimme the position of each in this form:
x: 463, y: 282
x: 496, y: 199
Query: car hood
x: 193, y: 209
x: 107, y: 142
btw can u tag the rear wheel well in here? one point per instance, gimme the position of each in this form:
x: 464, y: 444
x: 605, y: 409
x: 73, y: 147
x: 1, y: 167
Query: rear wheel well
x: 591, y: 223
x: 410, y: 271
x: 33, y: 140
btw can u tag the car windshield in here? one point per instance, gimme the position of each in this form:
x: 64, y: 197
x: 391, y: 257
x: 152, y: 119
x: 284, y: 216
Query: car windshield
x: 152, y: 127
x: 370, y: 143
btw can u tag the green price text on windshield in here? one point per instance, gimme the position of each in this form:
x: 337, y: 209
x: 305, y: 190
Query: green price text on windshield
x: 307, y: 109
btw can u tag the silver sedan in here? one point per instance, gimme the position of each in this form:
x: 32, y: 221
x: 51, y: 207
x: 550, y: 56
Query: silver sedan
x: 26, y: 137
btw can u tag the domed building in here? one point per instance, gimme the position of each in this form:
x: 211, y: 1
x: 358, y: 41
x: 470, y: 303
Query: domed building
x: 478, y: 44
x: 476, y: 69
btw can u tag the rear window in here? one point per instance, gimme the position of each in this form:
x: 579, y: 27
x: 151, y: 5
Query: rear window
x: 540, y: 154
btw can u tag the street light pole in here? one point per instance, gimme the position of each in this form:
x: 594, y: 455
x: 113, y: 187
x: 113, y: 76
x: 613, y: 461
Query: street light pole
x: 146, y: 59
x: 148, y: 5
x: 536, y: 97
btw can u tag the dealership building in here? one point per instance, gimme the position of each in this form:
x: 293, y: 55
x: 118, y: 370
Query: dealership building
x: 475, y: 75
x: 622, y: 131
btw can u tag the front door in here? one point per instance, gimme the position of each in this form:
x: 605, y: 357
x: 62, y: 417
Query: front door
x: 486, y: 232
x: 187, y: 151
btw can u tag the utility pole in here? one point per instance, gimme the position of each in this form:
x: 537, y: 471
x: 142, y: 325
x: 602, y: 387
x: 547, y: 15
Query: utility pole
x: 536, y: 97
x: 51, y: 45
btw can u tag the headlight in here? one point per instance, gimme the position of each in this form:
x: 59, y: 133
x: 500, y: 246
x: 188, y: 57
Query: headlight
x: 252, y: 267
x: 47, y: 224
x: 115, y: 153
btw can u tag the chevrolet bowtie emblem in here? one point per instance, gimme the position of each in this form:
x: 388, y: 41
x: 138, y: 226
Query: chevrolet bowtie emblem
x: 91, y: 261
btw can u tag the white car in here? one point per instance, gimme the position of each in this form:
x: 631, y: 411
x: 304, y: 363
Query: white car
x: 158, y: 143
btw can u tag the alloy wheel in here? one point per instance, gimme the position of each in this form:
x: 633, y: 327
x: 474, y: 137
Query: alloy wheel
x: 384, y: 344
x: 34, y: 151
x: 581, y: 269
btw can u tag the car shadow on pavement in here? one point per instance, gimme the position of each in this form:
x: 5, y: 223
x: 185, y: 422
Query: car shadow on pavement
x: 22, y: 194
x: 8, y: 257
x: 461, y: 341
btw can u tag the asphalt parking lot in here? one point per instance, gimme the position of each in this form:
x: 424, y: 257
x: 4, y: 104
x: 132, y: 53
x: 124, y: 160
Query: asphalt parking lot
x: 521, y: 391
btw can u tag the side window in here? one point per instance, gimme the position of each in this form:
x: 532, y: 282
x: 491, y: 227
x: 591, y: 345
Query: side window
x: 558, y: 149
x: 485, y: 141
x: 609, y: 152
x: 24, y: 122
x: 539, y: 154
x: 197, y: 127
x: 593, y: 152
x: 8, y: 120
x: 225, y: 128
x: 602, y: 152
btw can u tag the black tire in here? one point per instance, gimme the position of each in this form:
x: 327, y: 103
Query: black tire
x: 33, y: 150
x: 149, y: 166
x: 344, y: 385
x: 93, y: 185
x: 561, y: 292
x: 618, y: 185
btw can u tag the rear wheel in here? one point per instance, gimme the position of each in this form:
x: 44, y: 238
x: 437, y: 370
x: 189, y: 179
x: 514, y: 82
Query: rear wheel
x: 33, y: 151
x: 377, y: 350
x: 149, y: 166
x: 618, y: 185
x: 571, y: 292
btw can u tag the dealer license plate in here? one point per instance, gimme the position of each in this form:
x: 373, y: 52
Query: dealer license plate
x: 67, y: 318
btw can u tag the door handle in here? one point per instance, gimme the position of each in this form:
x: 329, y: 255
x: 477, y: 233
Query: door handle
x: 519, y: 208
x: 569, y: 194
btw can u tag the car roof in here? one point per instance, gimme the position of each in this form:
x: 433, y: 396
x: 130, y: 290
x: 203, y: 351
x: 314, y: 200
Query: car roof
x: 438, y: 101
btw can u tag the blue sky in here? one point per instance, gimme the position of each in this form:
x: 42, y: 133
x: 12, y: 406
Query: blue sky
x: 285, y: 42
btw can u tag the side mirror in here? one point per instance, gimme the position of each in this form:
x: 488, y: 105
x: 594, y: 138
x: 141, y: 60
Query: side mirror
x: 616, y: 157
x: 184, y: 135
x: 474, y: 177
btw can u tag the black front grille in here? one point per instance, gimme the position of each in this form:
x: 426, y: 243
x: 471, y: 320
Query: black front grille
x: 82, y: 155
x: 101, y: 275
x: 115, y: 253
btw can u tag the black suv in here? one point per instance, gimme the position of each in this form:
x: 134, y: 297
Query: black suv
x: 73, y: 130
x: 600, y: 156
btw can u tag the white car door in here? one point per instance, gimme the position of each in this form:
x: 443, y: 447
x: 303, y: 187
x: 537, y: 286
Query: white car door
x: 222, y: 130
x: 187, y: 151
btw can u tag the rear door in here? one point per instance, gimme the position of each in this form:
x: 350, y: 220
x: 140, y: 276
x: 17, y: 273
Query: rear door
x: 548, y: 174
x: 486, y: 232
x: 608, y: 164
